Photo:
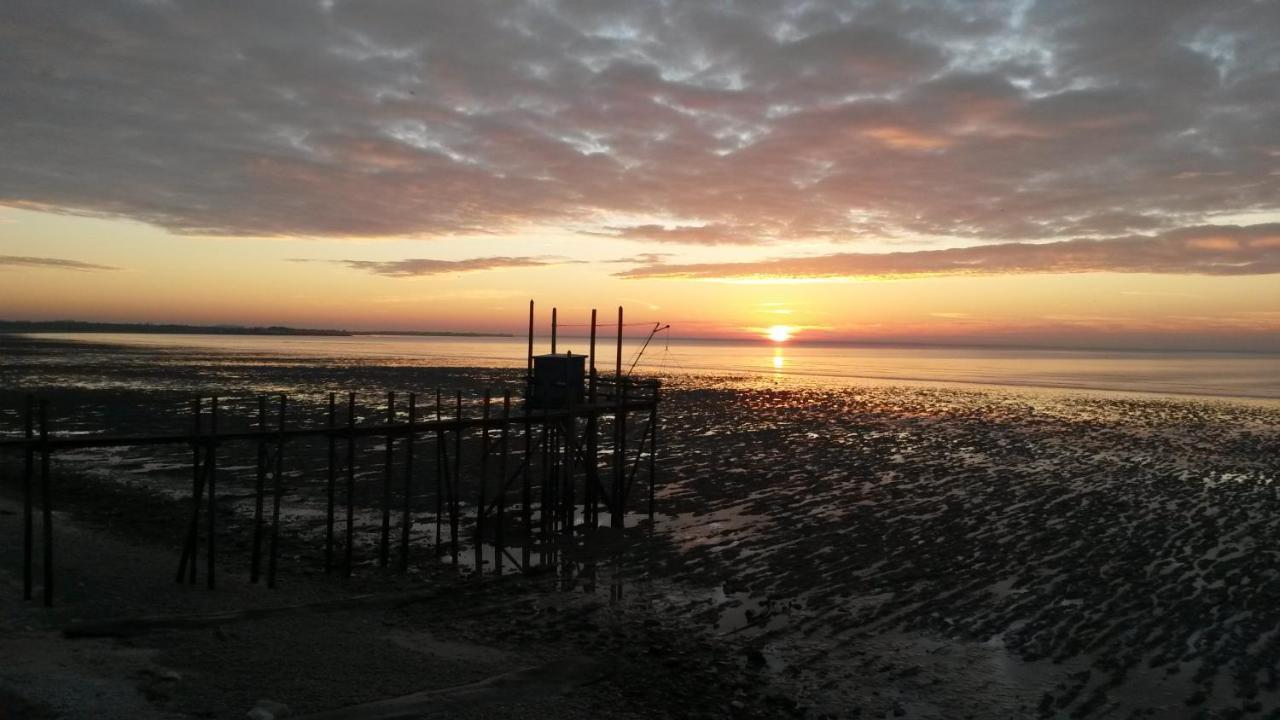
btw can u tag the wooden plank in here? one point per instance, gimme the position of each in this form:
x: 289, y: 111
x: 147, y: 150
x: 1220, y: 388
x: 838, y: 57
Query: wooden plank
x: 399, y: 429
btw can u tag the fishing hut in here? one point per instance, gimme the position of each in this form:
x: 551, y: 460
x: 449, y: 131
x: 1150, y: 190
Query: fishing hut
x: 509, y: 482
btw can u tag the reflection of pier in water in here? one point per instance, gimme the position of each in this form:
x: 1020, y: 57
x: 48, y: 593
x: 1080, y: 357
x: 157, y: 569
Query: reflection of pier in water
x: 560, y: 466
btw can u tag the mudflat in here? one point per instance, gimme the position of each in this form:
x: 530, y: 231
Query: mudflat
x: 861, y: 550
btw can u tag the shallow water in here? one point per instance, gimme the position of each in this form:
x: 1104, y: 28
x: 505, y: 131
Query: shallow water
x: 1179, y: 373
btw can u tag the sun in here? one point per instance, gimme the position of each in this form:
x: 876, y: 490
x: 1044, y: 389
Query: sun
x: 779, y: 333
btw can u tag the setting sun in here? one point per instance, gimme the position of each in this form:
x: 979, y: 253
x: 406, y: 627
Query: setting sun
x: 779, y: 333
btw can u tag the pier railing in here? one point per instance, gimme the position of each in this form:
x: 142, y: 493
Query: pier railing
x: 551, y: 456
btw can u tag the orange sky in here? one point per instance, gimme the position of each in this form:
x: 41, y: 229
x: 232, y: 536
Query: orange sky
x: 1019, y: 171
x: 165, y: 278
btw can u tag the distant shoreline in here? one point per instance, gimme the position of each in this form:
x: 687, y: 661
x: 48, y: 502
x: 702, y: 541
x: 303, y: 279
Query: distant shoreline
x: 78, y: 326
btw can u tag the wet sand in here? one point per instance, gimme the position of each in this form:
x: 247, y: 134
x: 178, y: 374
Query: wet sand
x: 1075, y: 554
x: 860, y: 551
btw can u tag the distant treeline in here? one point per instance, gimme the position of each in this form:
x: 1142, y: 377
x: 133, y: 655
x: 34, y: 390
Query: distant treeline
x: 79, y: 326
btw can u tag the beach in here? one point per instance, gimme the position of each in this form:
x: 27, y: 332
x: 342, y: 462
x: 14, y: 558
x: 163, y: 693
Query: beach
x: 868, y: 547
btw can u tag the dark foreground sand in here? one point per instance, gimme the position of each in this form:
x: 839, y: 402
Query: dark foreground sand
x: 855, y: 552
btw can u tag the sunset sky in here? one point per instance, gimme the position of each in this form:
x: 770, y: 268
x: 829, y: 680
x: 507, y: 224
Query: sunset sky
x: 1076, y: 173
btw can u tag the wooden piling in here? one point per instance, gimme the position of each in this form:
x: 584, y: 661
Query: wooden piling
x: 351, y: 481
x: 384, y: 543
x: 484, y: 475
x: 526, y: 492
x: 544, y: 500
x: 500, y: 535
x: 331, y: 481
x: 187, y: 564
x: 568, y: 510
x: 455, y: 479
x: 259, y: 489
x: 618, y: 366
x: 553, y: 331
x: 590, y: 502
x: 46, y: 503
x: 439, y: 475
x: 28, y: 511
x: 619, y: 435
x: 653, y: 454
x: 406, y: 521
x: 211, y: 465
x: 529, y: 369
x: 620, y: 458
x: 278, y: 491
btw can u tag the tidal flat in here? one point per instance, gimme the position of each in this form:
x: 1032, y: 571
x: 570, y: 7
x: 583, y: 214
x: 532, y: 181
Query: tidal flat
x: 845, y: 550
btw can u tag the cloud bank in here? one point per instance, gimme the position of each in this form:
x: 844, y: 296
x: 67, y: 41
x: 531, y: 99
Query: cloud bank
x: 420, y: 267
x: 758, y: 121
x: 1207, y: 250
x: 51, y: 263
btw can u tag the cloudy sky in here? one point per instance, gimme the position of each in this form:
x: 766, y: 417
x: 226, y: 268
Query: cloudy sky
x: 1102, y: 173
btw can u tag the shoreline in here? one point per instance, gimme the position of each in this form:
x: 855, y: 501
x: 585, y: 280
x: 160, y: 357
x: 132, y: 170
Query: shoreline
x: 684, y: 374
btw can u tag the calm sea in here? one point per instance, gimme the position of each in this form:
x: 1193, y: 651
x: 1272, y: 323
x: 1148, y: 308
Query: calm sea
x: 1177, y: 373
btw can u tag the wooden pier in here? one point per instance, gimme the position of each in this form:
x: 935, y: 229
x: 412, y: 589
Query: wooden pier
x: 543, y: 473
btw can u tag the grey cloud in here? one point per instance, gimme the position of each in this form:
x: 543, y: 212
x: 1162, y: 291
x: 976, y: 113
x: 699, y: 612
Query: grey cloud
x: 51, y: 263
x: 419, y: 267
x: 821, y: 119
x: 686, y: 234
x: 642, y: 259
x: 1206, y: 250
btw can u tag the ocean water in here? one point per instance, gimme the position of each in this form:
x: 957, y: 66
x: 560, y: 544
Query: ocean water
x: 1237, y: 375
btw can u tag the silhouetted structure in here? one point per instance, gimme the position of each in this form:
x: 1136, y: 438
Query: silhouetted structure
x: 548, y: 450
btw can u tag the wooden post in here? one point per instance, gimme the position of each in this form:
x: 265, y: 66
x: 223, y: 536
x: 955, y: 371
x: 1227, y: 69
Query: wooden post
x: 553, y: 331
x: 331, y: 481
x: 526, y: 491
x: 500, y: 537
x: 28, y: 512
x: 46, y: 502
x: 456, y: 479
x: 439, y: 474
x: 620, y: 458
x: 384, y: 544
x: 544, y: 500
x: 589, y: 501
x: 653, y: 452
x: 187, y: 565
x: 273, y: 560
x: 618, y: 366
x: 259, y: 489
x: 351, y: 479
x: 619, y: 434
x: 406, y: 522
x: 211, y: 464
x: 484, y: 472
